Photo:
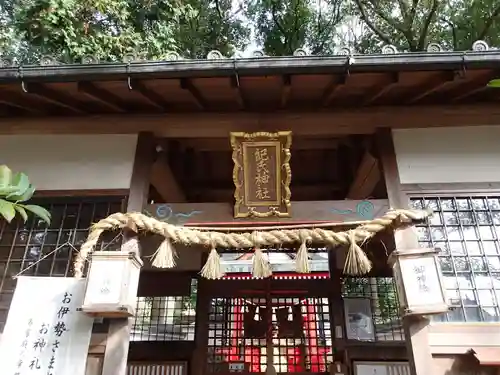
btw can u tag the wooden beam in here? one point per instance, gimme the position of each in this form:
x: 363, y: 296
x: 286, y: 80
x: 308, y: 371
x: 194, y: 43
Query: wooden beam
x: 117, y: 345
x: 165, y: 182
x: 417, y: 329
x: 202, y: 324
x: 298, y: 192
x: 141, y: 172
x: 387, y: 157
x: 188, y: 85
x: 153, y: 97
x: 223, y: 144
x: 238, y: 92
x: 335, y: 84
x: 55, y: 97
x: 14, y: 101
x: 102, y: 96
x: 366, y: 178
x: 473, y: 87
x: 286, y: 89
x: 432, y: 85
x: 306, y: 211
x: 381, y: 90
x: 218, y: 125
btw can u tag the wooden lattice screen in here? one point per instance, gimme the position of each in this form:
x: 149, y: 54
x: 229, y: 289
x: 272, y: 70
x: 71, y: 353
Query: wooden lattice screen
x: 158, y: 368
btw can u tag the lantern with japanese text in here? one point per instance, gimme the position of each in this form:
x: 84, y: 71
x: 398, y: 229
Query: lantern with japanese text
x: 418, y: 279
x: 112, y: 283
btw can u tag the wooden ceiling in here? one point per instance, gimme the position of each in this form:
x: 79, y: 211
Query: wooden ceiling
x: 246, y: 93
x: 200, y: 170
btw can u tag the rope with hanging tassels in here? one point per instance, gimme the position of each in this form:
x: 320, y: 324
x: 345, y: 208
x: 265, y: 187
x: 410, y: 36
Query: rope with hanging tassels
x: 356, y: 261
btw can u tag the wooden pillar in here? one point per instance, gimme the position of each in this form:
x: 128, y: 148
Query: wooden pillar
x: 416, y: 329
x: 116, y: 353
x: 203, y: 299
x: 94, y: 365
x: 337, y: 319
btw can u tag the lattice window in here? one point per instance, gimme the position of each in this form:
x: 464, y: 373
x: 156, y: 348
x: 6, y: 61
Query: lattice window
x: 282, y: 259
x: 40, y: 250
x: 467, y: 231
x: 161, y: 368
x: 167, y: 318
x: 239, y: 329
x: 372, y: 309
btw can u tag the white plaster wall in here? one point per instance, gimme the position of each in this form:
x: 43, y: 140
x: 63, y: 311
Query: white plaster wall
x: 71, y: 162
x: 448, y: 155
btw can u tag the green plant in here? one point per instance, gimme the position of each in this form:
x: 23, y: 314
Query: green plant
x: 494, y: 83
x: 15, y: 189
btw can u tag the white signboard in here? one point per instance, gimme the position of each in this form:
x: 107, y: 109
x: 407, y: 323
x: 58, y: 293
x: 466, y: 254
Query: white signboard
x: 381, y: 368
x: 358, y: 319
x: 421, y: 281
x: 45, y: 334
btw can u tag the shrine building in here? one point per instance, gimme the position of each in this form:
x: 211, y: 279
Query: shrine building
x: 304, y: 214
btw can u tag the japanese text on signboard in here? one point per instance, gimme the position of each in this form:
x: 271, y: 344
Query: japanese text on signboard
x: 45, y: 334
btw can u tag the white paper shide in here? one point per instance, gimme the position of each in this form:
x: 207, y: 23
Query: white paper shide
x: 45, y: 334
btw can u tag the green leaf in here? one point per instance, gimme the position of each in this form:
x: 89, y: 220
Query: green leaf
x: 7, y: 190
x: 5, y: 176
x: 28, y: 193
x: 21, y: 183
x: 40, y: 212
x: 7, y: 210
x: 494, y: 83
x: 22, y: 212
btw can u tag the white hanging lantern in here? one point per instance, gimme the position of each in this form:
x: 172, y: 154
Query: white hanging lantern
x: 419, y: 281
x: 112, y: 283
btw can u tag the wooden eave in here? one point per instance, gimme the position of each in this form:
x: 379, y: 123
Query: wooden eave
x: 250, y: 85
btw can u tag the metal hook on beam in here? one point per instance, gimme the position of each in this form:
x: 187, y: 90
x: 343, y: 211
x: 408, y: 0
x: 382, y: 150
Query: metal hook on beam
x: 236, y: 75
x: 463, y: 70
x: 20, y: 75
x: 129, y: 80
x: 348, y: 65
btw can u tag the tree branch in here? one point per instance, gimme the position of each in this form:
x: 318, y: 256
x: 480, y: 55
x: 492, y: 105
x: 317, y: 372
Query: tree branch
x: 278, y: 23
x: 276, y: 20
x: 403, y: 8
x: 413, y: 11
x: 390, y: 21
x: 425, y: 29
x: 219, y: 12
x: 383, y: 36
x: 320, y: 31
x: 407, y: 33
x: 453, y: 32
x: 489, y: 23
x: 295, y: 28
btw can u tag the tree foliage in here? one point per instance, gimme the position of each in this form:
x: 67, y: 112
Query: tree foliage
x: 412, y: 25
x: 281, y: 27
x: 108, y: 29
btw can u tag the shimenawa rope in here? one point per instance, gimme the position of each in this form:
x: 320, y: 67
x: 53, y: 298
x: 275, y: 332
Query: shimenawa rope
x: 356, y: 263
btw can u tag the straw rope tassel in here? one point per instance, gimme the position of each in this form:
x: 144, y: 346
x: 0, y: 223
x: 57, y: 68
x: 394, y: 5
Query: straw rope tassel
x: 356, y: 262
x: 165, y: 256
x: 302, y: 258
x: 212, y: 269
x: 235, y: 238
x: 261, y: 268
